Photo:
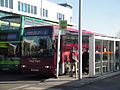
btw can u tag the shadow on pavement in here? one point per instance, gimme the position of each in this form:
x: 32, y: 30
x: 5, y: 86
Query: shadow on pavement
x: 21, y: 77
x: 65, y: 82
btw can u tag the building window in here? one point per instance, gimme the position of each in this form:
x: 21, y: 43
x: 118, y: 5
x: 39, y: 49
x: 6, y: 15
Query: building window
x: 35, y: 10
x: 11, y: 4
x: 19, y: 6
x: 60, y: 16
x: 28, y: 8
x: 2, y: 3
x: 63, y: 16
x: 31, y: 9
x: 57, y: 16
x: 6, y: 3
x: 24, y: 7
x: 70, y: 19
x: 45, y: 13
x: 40, y: 11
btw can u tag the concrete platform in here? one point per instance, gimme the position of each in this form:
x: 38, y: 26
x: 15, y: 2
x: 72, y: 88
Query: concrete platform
x: 65, y: 80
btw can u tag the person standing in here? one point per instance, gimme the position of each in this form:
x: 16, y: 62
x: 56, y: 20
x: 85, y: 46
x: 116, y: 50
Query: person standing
x: 85, y: 60
x: 73, y: 62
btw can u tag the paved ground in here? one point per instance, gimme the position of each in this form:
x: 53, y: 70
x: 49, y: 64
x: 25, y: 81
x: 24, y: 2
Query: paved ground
x: 21, y: 82
x: 111, y: 83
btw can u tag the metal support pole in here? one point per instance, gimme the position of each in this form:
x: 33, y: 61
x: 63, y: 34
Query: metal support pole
x: 80, y: 41
x: 58, y: 53
x: 63, y: 67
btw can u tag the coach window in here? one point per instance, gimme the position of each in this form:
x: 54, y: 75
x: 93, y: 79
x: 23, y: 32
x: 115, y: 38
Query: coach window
x: 12, y: 36
x: 11, y: 50
x: 43, y: 43
x: 3, y: 37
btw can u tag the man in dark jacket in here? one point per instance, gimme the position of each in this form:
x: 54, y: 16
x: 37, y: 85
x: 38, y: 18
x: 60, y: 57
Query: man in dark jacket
x: 85, y: 60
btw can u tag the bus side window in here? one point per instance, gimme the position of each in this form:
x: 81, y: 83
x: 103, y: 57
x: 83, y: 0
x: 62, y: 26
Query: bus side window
x: 54, y: 44
x: 11, y: 50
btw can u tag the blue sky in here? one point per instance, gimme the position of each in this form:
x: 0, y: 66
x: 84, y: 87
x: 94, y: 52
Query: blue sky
x: 100, y: 16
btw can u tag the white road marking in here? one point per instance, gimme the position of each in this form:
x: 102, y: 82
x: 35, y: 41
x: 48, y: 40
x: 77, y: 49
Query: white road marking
x: 23, y: 86
x: 39, y: 88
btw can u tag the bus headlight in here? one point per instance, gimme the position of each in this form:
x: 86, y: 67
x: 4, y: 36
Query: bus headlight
x: 16, y: 65
x: 23, y: 66
x: 47, y: 66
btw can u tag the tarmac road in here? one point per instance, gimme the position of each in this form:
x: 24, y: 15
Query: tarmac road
x: 111, y: 83
x: 26, y: 82
x: 10, y: 81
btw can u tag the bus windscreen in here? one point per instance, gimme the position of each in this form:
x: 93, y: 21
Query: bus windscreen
x: 10, y: 23
x: 37, y: 42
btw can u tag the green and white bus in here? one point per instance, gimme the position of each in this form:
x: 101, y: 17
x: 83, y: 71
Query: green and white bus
x: 11, y: 32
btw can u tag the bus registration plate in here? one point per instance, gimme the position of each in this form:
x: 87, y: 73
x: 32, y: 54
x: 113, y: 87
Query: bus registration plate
x: 34, y: 70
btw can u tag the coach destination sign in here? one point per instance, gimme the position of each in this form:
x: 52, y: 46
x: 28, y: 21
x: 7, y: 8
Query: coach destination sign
x: 63, y: 24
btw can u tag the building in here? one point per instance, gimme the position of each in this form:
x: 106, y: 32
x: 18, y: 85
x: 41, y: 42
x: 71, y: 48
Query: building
x: 41, y: 9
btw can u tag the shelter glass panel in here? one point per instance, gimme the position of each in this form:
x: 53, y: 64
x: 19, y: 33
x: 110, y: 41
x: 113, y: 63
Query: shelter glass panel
x: 105, y: 55
x: 98, y: 54
x: 117, y: 55
x: 111, y: 55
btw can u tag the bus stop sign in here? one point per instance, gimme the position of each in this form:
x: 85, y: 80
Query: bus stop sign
x: 63, y: 24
